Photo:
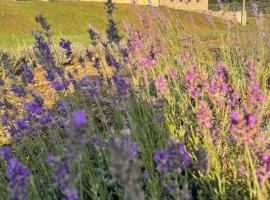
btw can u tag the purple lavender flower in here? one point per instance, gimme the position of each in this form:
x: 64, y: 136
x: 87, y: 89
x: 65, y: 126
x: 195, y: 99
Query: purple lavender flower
x: 121, y: 84
x: 27, y: 74
x: 98, y: 142
x: 172, y: 159
x: 85, y: 80
x: 235, y: 116
x: 17, y: 175
x: 66, y: 45
x: 62, y: 175
x: 161, y: 84
x: 6, y: 152
x: 22, y: 123
x: 79, y: 118
x: 145, y: 174
x: 94, y: 35
x: 19, y: 90
x: 111, y: 61
x: 173, y: 73
x: 58, y: 86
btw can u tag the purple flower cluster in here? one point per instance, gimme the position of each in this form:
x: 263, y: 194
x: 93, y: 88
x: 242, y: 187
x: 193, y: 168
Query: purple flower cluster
x: 98, y: 142
x: 17, y: 175
x: 254, y: 96
x: 161, y: 84
x: 62, y: 175
x: 172, y: 159
x: 122, y: 85
x: 66, y: 45
x: 193, y: 80
x: 204, y: 115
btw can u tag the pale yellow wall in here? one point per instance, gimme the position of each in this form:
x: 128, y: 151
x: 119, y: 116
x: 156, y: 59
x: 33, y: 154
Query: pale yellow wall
x: 139, y: 2
x: 190, y: 5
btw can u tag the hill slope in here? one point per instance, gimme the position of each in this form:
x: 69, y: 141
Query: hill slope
x: 71, y: 19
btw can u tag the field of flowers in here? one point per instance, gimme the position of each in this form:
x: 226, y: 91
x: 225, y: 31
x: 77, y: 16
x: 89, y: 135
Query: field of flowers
x: 161, y: 114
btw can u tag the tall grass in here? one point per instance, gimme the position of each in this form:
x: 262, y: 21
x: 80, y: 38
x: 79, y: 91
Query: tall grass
x: 161, y: 114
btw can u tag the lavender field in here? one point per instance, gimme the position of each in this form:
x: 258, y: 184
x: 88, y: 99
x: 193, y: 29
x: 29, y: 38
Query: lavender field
x: 158, y: 113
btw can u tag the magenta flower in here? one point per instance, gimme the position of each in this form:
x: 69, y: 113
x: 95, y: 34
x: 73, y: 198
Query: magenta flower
x: 173, y: 73
x: 235, y: 116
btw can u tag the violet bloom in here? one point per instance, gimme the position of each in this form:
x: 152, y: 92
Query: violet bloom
x: 235, y: 116
x: 58, y: 86
x: 27, y: 74
x: 5, y: 151
x: 98, y: 142
x: 121, y: 84
x: 79, y: 118
x: 173, y: 73
x: 62, y: 175
x: 161, y: 84
x: 94, y: 35
x: 145, y: 174
x: 85, y: 80
x: 17, y: 175
x: 66, y: 45
x: 111, y: 61
x: 19, y: 90
x: 172, y: 159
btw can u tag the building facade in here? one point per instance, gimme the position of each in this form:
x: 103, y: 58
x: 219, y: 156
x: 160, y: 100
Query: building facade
x: 195, y: 5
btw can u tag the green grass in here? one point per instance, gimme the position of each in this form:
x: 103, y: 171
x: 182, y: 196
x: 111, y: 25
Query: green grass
x: 71, y: 19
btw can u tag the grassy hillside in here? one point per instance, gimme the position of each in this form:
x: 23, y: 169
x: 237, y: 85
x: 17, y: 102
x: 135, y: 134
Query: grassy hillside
x: 71, y: 19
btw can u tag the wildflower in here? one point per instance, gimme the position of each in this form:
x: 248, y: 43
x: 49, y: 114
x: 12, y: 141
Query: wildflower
x: 121, y: 84
x: 242, y: 170
x: 58, y: 86
x: 112, y: 31
x: 204, y: 115
x: 202, y: 160
x: 43, y: 21
x: 6, y: 152
x: 193, y: 80
x: 122, y: 151
x: 51, y: 158
x: 66, y: 45
x: 111, y: 61
x: 98, y: 142
x: 145, y: 174
x: 172, y: 159
x: 17, y: 175
x: 62, y: 175
x: 85, y: 80
x: 27, y: 74
x: 235, y: 116
x: 94, y: 35
x: 173, y: 73
x: 161, y: 84
x: 19, y: 90
x: 79, y: 118
x: 96, y: 63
